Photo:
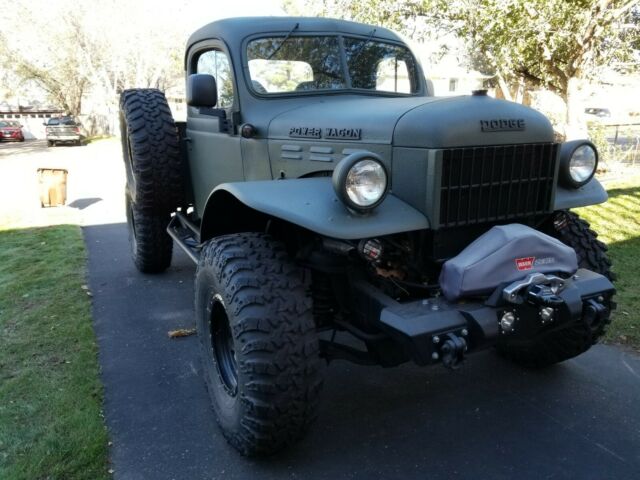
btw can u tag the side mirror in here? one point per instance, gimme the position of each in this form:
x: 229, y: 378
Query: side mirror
x: 44, y: 123
x: 201, y: 90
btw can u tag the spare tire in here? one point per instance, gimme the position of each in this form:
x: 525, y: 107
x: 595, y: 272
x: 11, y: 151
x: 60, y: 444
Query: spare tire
x: 154, y: 187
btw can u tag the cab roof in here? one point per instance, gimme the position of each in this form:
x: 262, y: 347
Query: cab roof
x: 234, y: 30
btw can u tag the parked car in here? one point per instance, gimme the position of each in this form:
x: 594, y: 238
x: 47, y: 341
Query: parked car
x: 11, y: 130
x: 598, y: 112
x: 63, y: 130
x: 345, y: 197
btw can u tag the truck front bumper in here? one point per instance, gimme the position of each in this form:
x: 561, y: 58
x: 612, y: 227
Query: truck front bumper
x: 434, y: 330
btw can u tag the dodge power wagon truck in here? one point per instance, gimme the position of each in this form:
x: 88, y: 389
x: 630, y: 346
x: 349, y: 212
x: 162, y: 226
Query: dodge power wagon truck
x: 321, y: 187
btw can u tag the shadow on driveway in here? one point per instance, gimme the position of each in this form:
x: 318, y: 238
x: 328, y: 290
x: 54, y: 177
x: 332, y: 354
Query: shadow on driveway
x: 82, y: 203
x: 486, y: 420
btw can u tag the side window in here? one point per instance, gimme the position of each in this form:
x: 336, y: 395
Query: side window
x: 216, y: 63
x: 392, y: 75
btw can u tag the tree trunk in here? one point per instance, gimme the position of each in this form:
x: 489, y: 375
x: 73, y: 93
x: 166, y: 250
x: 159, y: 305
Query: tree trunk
x: 576, y: 126
x: 504, y: 87
x: 520, y: 90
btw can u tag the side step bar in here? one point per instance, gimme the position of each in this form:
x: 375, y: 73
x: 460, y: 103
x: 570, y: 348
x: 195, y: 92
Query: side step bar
x: 186, y: 235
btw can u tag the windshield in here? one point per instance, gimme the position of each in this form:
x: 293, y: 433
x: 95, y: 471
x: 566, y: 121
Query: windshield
x: 62, y: 121
x: 312, y: 63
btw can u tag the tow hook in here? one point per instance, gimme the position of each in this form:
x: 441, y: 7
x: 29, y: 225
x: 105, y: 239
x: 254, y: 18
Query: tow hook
x: 453, y: 350
x: 594, y: 311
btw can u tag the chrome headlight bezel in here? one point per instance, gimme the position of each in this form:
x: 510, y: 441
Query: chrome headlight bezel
x: 341, y: 174
x: 567, y: 154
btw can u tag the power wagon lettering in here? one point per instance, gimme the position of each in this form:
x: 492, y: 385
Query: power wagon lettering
x: 343, y: 133
x: 330, y: 133
x: 305, y: 132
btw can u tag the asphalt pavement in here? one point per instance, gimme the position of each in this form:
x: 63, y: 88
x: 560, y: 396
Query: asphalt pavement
x: 488, y: 420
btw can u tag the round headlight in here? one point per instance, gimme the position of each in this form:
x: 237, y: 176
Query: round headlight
x: 583, y: 163
x: 361, y: 181
x: 579, y: 162
x: 366, y: 183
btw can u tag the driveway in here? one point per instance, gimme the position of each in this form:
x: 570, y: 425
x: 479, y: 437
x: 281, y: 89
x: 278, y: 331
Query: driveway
x: 489, y: 419
x: 95, y: 183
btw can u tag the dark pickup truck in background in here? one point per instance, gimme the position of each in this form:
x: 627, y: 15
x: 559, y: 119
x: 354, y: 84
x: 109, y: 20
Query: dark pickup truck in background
x: 63, y: 130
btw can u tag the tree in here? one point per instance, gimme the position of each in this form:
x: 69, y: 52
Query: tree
x: 56, y: 71
x: 554, y: 44
x: 89, y: 52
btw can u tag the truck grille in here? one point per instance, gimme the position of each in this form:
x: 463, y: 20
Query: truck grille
x: 495, y: 183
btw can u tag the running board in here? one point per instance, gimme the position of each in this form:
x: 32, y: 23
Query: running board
x: 186, y: 235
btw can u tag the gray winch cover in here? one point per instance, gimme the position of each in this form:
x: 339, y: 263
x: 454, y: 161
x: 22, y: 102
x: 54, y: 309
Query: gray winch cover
x: 504, y: 254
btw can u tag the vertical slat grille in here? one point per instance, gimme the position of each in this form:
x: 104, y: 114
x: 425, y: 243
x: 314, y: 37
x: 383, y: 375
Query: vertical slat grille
x: 496, y: 183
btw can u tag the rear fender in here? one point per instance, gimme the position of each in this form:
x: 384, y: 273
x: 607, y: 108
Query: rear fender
x: 310, y: 203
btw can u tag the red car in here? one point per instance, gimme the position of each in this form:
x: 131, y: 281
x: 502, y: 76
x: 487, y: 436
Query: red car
x: 10, y: 130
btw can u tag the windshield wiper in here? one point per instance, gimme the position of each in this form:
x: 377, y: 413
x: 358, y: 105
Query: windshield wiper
x: 295, y: 27
x: 364, y: 44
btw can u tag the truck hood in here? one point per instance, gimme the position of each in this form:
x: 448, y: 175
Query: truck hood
x: 427, y: 122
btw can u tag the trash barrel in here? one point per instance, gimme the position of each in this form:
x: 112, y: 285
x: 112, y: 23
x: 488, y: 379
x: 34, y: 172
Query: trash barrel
x: 53, y: 186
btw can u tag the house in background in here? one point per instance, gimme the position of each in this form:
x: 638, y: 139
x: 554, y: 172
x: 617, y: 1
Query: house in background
x: 31, y: 117
x: 176, y: 98
x: 450, y: 78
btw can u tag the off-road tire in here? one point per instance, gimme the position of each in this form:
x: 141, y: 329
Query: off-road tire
x: 150, y: 151
x: 154, y: 175
x: 50, y: 143
x: 577, y: 338
x: 248, y: 280
x: 151, y: 246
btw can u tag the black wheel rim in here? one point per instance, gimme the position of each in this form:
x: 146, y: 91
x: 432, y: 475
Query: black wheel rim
x: 223, y: 347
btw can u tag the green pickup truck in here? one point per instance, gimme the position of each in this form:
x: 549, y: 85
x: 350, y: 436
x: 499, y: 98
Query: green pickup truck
x: 337, y: 210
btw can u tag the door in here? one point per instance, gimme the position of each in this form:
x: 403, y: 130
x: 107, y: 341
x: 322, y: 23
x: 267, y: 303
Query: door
x: 214, y: 146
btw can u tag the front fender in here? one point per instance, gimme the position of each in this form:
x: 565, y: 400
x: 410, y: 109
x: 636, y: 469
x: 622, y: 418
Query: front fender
x: 590, y: 194
x: 310, y: 203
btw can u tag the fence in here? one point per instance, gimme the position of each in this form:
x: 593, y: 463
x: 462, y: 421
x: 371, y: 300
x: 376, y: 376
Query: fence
x: 619, y: 143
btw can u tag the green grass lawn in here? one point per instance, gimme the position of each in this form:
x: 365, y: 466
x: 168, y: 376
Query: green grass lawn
x: 51, y: 424
x: 618, y: 225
